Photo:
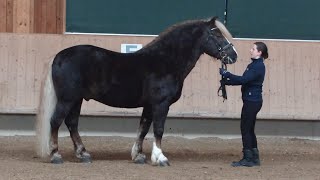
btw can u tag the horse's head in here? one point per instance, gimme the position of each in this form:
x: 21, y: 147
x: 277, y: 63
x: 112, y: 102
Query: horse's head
x: 216, y: 43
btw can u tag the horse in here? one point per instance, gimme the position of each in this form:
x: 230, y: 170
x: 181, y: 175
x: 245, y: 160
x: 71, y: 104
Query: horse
x: 151, y: 78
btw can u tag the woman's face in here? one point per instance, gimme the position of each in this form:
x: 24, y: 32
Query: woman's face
x: 255, y: 54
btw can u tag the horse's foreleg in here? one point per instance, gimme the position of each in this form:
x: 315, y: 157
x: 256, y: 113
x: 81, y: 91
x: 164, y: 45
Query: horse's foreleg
x: 160, y: 113
x: 145, y: 122
x: 72, y: 124
x: 61, y: 111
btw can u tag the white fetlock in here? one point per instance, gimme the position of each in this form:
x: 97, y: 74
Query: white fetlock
x: 56, y: 158
x: 137, y: 157
x: 56, y: 155
x: 134, y: 151
x: 83, y: 155
x: 157, y: 157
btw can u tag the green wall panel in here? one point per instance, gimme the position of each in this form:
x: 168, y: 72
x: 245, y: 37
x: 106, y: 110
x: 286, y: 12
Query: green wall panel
x: 136, y: 17
x: 274, y: 19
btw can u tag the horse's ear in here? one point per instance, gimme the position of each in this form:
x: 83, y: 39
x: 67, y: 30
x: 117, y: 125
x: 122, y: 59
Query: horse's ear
x: 212, y: 22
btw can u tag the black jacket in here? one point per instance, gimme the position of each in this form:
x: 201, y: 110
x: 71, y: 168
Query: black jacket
x: 251, y: 80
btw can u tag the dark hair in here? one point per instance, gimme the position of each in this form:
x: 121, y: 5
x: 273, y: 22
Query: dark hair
x: 263, y: 48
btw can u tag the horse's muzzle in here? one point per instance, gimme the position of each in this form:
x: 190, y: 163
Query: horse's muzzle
x: 228, y: 60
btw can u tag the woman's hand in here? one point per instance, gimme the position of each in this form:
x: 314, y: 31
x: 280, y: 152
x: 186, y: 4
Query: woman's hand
x: 223, y: 81
x: 223, y: 72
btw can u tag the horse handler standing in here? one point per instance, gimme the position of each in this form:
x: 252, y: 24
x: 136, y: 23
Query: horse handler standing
x: 252, y: 82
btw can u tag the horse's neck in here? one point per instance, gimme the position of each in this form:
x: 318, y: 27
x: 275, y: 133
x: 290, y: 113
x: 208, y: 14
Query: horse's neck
x: 181, y: 62
x: 188, y: 63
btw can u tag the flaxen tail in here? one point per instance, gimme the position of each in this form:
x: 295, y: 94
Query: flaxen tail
x: 48, y: 101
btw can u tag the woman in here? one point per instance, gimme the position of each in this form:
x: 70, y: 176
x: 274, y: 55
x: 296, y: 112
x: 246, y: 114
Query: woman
x: 251, y: 81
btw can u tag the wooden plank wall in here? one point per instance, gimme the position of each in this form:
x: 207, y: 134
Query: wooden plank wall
x: 32, y: 16
x: 291, y: 88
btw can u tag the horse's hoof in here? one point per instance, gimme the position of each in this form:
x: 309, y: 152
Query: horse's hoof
x: 84, y: 157
x: 56, y: 160
x: 161, y: 163
x: 164, y: 163
x: 140, y: 159
x: 85, y: 160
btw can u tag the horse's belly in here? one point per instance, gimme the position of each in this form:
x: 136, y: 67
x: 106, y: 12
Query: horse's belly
x: 122, y: 98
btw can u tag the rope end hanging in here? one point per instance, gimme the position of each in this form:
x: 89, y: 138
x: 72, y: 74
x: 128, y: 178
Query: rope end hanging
x: 222, y: 87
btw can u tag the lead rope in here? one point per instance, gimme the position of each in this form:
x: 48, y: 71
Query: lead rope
x: 222, y: 87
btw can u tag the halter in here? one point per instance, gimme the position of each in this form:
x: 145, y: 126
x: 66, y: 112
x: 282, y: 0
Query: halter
x: 223, y: 60
x: 222, y: 53
x: 221, y: 50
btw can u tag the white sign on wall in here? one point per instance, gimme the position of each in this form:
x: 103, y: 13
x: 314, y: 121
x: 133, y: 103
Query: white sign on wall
x: 130, y: 48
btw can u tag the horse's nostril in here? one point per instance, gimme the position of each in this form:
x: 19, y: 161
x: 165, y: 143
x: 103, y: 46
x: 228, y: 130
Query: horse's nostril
x: 230, y: 60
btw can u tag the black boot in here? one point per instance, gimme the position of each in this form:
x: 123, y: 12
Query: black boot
x: 255, y: 158
x: 246, y: 160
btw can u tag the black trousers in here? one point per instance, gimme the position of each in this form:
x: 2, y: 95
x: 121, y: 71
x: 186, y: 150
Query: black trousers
x: 249, y: 113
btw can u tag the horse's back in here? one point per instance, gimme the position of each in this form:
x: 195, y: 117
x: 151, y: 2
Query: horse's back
x: 91, y: 72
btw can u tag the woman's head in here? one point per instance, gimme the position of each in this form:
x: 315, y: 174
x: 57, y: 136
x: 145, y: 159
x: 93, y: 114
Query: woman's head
x: 258, y: 50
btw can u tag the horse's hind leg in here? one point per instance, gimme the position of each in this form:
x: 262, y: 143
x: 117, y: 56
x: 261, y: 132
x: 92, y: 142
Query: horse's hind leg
x: 145, y: 122
x: 61, y: 111
x: 72, y: 124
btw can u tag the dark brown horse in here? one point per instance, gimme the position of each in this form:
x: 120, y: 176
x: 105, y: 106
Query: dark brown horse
x: 151, y: 78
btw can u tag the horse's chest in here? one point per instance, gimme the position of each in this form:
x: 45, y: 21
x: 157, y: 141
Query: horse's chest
x: 162, y: 89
